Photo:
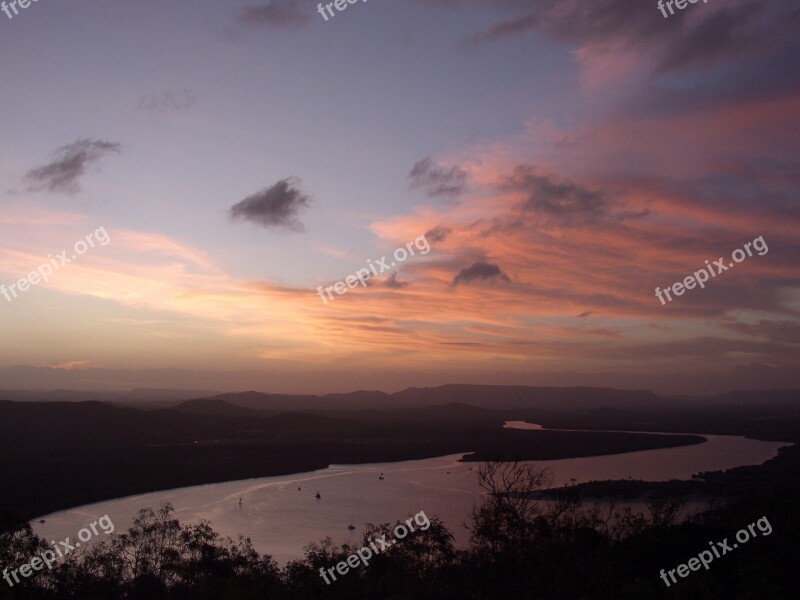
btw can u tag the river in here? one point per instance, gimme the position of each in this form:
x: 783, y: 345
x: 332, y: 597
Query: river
x: 281, y: 514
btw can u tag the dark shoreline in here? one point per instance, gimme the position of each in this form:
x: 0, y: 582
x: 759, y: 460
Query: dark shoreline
x: 775, y: 474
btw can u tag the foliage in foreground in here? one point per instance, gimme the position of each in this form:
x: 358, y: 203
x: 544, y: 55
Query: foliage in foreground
x: 521, y: 547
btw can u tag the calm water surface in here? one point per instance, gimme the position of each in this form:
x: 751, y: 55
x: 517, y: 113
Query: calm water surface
x: 281, y: 519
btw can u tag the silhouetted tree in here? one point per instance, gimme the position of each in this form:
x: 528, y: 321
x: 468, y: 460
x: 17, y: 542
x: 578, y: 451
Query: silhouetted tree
x: 510, y: 514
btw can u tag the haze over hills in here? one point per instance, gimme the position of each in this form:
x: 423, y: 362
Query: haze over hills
x: 216, y: 406
x: 119, y: 397
x: 501, y: 397
x: 483, y: 396
x: 495, y: 397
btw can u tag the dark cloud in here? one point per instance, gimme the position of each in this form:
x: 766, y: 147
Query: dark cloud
x: 70, y: 164
x: 678, y: 42
x: 168, y: 101
x: 438, y: 234
x: 392, y: 282
x: 750, y: 81
x: 582, y: 22
x: 507, y: 28
x: 564, y: 200
x: 273, y: 14
x: 480, y: 270
x: 731, y: 31
x: 437, y: 181
x: 276, y: 206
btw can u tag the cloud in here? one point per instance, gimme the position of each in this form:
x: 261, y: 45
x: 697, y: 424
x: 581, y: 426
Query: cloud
x: 729, y: 32
x: 579, y: 21
x: 697, y: 36
x: 70, y: 164
x: 274, y: 14
x: 787, y: 332
x: 168, y: 101
x: 564, y: 200
x: 276, y: 206
x: 438, y: 181
x: 771, y: 78
x: 707, y: 348
x: 72, y: 364
x: 480, y: 270
x: 507, y: 28
x: 438, y: 234
x: 392, y: 282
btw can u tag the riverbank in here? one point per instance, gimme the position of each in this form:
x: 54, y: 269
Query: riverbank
x: 60, y: 455
x: 775, y: 475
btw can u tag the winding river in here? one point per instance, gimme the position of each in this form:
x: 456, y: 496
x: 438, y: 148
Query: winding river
x: 281, y: 514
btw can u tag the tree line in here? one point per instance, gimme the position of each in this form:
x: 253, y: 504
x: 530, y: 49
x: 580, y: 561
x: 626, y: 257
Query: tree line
x: 522, y: 546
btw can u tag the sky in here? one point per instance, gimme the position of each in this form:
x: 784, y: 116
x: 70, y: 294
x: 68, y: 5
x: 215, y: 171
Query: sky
x: 552, y: 164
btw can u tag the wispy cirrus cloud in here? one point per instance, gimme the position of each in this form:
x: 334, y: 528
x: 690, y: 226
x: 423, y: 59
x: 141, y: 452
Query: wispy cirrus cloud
x: 63, y: 173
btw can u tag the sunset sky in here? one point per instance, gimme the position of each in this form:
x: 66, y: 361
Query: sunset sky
x: 563, y: 158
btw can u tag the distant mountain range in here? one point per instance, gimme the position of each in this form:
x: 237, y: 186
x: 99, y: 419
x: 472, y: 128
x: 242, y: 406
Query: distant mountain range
x: 493, y: 397
x: 119, y: 397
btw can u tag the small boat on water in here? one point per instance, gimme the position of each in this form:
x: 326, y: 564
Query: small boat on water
x: 317, y: 496
x: 380, y: 476
x: 351, y: 527
x: 42, y: 521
